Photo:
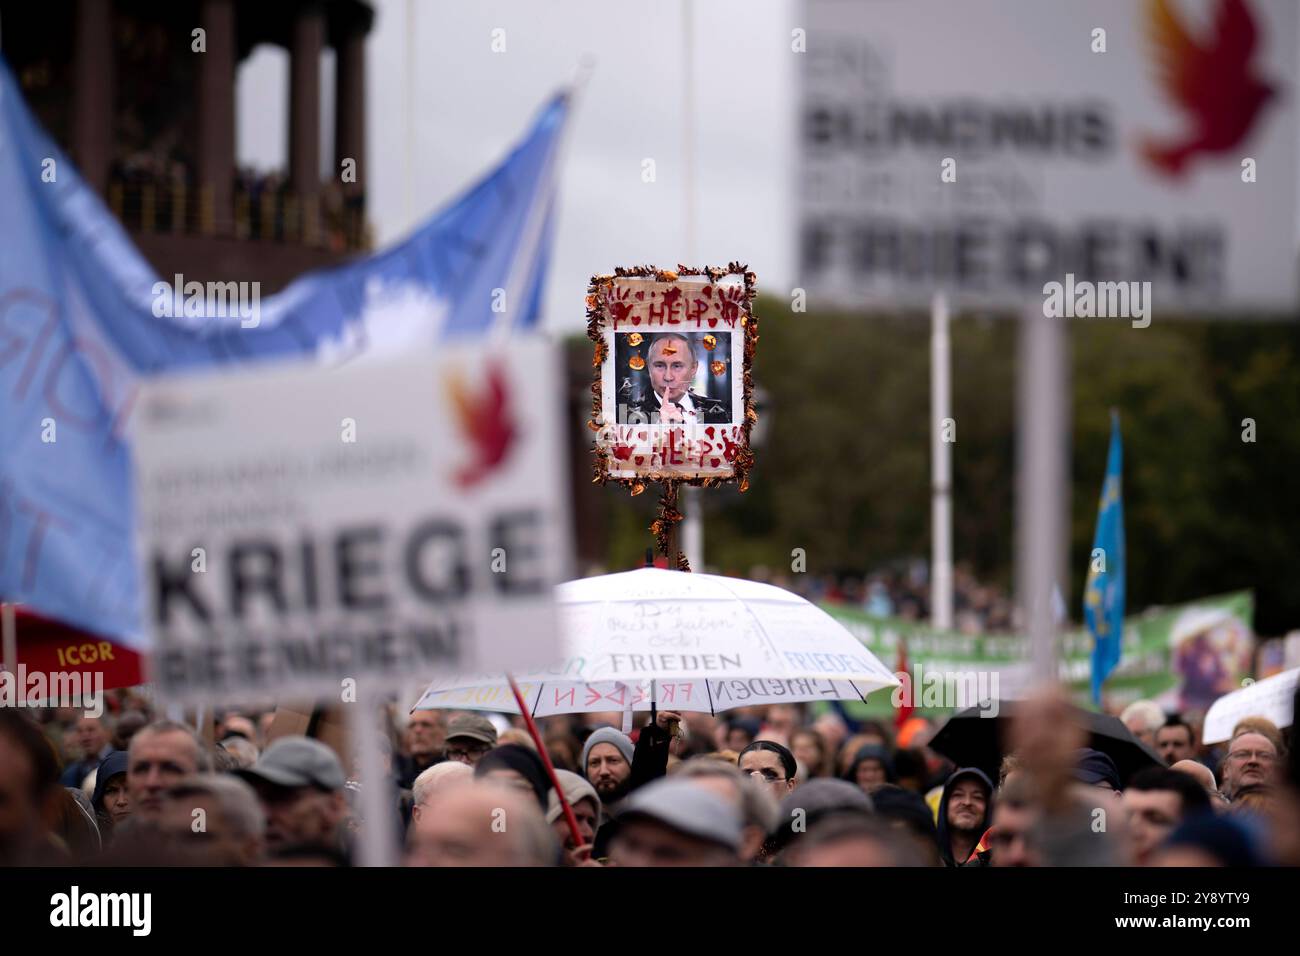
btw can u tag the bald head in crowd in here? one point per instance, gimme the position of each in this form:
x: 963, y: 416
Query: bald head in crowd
x: 1205, y: 777
x: 482, y: 824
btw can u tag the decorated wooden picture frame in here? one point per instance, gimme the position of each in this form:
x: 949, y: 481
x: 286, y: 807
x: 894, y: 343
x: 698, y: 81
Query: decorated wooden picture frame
x: 672, y: 392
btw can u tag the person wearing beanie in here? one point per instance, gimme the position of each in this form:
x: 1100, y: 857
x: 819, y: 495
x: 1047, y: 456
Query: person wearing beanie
x: 615, y: 766
x: 585, y: 802
x: 516, y: 766
x: 607, y: 764
x: 1096, y: 769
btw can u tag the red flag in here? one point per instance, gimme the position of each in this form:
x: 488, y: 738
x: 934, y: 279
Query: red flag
x: 904, y: 711
x: 46, y: 646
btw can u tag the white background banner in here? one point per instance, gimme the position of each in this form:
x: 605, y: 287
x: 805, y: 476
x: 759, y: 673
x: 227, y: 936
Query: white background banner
x: 1106, y: 139
x: 380, y: 521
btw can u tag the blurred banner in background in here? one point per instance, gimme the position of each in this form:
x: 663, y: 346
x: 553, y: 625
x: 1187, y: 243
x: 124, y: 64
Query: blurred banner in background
x: 1113, y: 140
x: 1183, y: 656
x: 83, y: 320
x: 370, y: 522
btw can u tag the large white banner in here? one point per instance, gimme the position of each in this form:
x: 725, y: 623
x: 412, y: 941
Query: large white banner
x: 990, y: 147
x: 381, y: 522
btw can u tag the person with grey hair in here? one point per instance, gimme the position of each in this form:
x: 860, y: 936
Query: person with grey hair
x: 161, y: 755
x: 759, y: 811
x: 440, y: 776
x: 214, y: 820
x: 1143, y: 718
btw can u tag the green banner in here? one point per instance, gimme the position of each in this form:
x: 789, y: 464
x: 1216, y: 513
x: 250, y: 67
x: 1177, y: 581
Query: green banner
x: 1183, y: 656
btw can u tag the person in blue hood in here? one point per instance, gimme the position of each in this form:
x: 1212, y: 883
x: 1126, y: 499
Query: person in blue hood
x: 111, y: 802
x: 965, y: 812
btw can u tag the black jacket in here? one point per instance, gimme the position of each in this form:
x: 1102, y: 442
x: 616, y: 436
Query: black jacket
x: 945, y: 837
x: 649, y: 763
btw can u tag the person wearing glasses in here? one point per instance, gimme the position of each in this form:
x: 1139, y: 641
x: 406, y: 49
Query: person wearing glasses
x: 469, y: 737
x: 1252, y: 760
x: 770, y: 765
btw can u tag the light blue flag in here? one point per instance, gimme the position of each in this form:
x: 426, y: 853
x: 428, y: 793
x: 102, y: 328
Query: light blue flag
x: 83, y: 318
x: 1103, y: 595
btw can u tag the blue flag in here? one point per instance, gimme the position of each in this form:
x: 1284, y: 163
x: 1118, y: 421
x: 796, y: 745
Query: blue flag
x: 1103, y: 595
x: 83, y: 319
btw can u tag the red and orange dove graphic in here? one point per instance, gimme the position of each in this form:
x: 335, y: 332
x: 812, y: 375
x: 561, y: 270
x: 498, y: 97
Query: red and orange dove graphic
x: 1211, y: 81
x: 484, y: 419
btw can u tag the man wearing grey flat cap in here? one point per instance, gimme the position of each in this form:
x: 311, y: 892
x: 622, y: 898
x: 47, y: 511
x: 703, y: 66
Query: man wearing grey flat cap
x: 676, y: 822
x: 300, y: 784
x: 469, y: 737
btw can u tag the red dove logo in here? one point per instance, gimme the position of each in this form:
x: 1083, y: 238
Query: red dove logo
x: 1212, y: 82
x: 484, y: 422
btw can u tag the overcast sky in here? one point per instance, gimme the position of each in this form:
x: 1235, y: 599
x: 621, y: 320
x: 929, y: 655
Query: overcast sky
x: 470, y: 104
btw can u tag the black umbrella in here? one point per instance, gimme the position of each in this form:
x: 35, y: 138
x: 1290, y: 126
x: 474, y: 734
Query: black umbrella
x: 970, y: 739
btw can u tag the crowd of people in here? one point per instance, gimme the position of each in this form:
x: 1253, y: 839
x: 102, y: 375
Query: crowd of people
x: 776, y: 785
x: 903, y: 591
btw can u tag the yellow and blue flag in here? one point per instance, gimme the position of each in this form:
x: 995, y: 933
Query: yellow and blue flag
x: 1103, y: 595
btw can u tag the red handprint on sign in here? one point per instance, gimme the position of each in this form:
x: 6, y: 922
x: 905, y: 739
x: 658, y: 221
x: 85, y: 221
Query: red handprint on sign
x: 729, y: 300
x: 616, y: 301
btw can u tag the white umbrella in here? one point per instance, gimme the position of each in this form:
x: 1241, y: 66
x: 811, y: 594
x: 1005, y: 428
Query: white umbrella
x: 683, y: 641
